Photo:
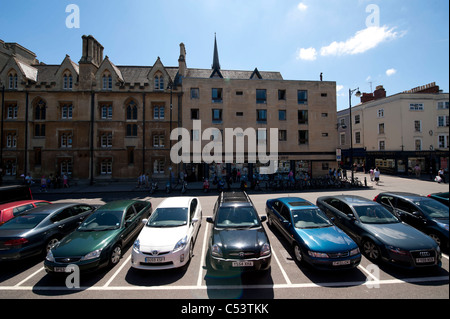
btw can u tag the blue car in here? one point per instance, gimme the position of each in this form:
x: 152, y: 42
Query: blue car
x: 311, y: 234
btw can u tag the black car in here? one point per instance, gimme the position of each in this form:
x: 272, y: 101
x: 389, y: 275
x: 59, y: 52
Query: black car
x: 441, y: 197
x: 379, y: 233
x: 37, y: 230
x: 237, y: 240
x: 423, y: 213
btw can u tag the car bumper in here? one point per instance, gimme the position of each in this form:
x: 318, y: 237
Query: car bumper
x: 413, y: 260
x: 18, y: 253
x: 147, y: 261
x: 83, y: 266
x: 335, y: 263
x: 254, y: 264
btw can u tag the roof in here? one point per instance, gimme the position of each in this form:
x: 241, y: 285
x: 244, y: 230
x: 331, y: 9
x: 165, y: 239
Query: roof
x: 233, y: 74
x: 20, y: 203
x: 181, y: 201
x: 295, y: 202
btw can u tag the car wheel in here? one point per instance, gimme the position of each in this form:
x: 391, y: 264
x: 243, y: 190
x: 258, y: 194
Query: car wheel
x: 371, y: 250
x: 52, y: 242
x: 436, y: 238
x: 298, y: 253
x: 115, y: 256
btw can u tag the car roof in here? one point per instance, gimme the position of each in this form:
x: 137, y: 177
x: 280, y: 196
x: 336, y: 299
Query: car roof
x: 49, y: 209
x: 234, y: 198
x: 295, y: 202
x: 352, y: 199
x: 406, y: 195
x: 21, y: 203
x: 181, y: 201
x: 118, y: 204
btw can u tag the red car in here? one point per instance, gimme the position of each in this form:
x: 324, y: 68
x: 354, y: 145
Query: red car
x: 10, y: 210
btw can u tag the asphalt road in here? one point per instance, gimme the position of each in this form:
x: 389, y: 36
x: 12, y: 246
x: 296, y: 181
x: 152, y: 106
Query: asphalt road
x: 285, y: 280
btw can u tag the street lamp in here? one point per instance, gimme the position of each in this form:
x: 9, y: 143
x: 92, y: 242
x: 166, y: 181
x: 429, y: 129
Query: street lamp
x: 357, y: 94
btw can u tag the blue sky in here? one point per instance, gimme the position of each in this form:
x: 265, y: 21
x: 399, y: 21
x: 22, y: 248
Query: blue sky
x: 399, y: 44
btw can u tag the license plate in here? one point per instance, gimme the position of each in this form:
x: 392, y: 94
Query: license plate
x: 341, y: 262
x: 242, y: 264
x: 64, y: 269
x: 424, y: 260
x: 154, y: 259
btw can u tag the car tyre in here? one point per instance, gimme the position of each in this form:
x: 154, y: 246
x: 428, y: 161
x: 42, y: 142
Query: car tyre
x: 116, y: 254
x: 298, y: 255
x: 371, y: 250
x: 436, y: 238
x: 50, y: 243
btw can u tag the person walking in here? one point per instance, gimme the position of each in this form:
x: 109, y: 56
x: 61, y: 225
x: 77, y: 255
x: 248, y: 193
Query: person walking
x: 377, y: 174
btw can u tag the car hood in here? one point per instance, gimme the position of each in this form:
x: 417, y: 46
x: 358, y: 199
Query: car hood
x: 161, y: 238
x: 400, y: 235
x: 249, y: 239
x: 326, y: 239
x: 80, y: 243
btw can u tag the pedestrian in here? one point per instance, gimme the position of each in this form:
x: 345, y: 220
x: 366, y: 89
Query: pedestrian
x: 43, y: 184
x: 238, y: 175
x: 377, y: 174
x: 371, y: 174
x: 65, y: 181
x: 441, y: 174
x: 417, y: 170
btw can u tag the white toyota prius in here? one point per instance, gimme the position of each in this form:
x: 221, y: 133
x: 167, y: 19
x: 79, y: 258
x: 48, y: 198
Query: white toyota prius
x: 168, y: 237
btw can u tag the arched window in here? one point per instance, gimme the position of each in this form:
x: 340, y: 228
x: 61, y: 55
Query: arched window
x: 159, y: 82
x: 132, y: 111
x: 12, y: 80
x: 107, y: 81
x: 40, y: 110
x: 67, y: 81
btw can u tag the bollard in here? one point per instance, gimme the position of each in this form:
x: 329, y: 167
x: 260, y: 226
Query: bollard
x: 365, y: 181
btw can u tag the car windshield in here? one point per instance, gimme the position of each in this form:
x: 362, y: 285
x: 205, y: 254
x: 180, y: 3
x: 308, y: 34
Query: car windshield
x: 102, y: 220
x: 168, y: 217
x: 237, y: 217
x: 374, y: 214
x: 310, y: 218
x: 24, y: 221
x: 432, y: 208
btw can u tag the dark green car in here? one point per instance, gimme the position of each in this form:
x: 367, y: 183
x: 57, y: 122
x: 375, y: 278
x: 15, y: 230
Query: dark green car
x: 99, y: 240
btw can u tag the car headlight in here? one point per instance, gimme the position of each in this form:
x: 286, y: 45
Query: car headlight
x: 265, y: 250
x: 398, y: 251
x: 92, y: 255
x: 137, y: 245
x: 216, y: 251
x: 181, y: 244
x: 317, y: 254
x: 354, y: 252
x: 50, y: 257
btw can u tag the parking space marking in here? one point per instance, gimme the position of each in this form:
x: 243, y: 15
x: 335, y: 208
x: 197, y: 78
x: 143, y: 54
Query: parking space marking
x: 127, y: 262
x: 282, y: 269
x: 29, y: 277
x: 368, y: 273
x: 445, y: 256
x: 200, y: 271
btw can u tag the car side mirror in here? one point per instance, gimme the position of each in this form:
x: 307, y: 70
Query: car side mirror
x: 351, y: 217
x: 145, y: 221
x: 210, y: 220
x: 263, y: 218
x: 194, y: 220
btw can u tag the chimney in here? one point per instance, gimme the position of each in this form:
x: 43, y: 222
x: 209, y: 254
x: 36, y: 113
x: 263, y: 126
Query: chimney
x: 379, y: 93
x: 182, y: 61
x: 92, y: 57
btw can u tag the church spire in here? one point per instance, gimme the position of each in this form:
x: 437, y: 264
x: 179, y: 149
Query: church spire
x: 216, y: 64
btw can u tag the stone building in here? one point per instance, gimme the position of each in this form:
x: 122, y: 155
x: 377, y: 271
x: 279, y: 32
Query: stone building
x: 94, y: 120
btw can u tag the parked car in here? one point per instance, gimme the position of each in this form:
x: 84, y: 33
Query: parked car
x: 380, y: 234
x: 168, y: 237
x: 440, y: 197
x: 237, y: 240
x: 99, y: 240
x: 423, y: 213
x: 12, y: 209
x: 13, y: 193
x: 38, y: 229
x: 311, y: 234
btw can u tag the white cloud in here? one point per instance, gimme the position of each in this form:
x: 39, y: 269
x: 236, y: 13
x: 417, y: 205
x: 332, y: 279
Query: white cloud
x: 391, y: 72
x: 309, y: 54
x: 361, y: 42
x: 338, y: 89
x: 302, y: 7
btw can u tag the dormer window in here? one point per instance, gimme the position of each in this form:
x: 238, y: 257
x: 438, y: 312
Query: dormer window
x: 107, y: 81
x: 159, y: 82
x: 12, y: 80
x: 67, y: 81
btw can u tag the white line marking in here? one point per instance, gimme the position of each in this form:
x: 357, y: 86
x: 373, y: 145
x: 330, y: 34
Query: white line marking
x: 368, y: 273
x: 200, y: 271
x: 30, y: 276
x: 281, y: 268
x: 231, y: 287
x: 126, y: 262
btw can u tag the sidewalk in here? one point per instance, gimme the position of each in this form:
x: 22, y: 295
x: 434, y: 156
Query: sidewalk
x: 387, y: 183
